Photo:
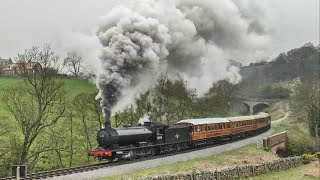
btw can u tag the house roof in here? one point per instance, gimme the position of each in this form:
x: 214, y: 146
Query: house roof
x: 5, y: 60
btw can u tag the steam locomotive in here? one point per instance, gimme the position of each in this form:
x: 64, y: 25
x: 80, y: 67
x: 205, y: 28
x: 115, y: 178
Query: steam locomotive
x: 155, y: 138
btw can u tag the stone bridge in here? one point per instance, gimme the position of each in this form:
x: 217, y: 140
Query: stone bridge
x: 257, y: 105
x: 276, y: 142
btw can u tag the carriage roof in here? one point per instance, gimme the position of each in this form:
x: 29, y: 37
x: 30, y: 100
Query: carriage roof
x: 204, y: 121
x: 241, y: 118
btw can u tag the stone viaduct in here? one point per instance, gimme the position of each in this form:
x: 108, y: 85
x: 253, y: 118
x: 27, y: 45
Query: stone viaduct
x: 256, y: 105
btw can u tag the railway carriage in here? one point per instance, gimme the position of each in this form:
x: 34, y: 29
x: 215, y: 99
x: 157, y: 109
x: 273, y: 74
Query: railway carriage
x: 207, y: 130
x: 242, y: 126
x: 263, y: 120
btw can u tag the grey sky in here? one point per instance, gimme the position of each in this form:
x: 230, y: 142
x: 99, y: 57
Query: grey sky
x: 24, y: 23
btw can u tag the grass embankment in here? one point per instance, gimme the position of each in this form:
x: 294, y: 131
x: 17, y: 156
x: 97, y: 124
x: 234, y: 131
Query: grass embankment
x: 277, y: 110
x: 245, y: 155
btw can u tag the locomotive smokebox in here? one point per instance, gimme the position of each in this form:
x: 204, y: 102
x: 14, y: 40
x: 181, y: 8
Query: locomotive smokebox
x: 106, y: 137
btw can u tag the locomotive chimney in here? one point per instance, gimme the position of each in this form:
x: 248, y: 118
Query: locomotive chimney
x: 107, y: 119
x: 110, y: 95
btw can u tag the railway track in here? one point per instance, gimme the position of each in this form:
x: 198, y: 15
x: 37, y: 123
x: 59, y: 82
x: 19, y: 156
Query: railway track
x: 72, y: 170
x: 60, y: 172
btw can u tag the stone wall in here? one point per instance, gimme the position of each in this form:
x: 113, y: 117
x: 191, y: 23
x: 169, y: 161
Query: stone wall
x: 234, y: 172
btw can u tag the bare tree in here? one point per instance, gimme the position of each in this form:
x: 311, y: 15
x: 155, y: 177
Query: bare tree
x: 38, y: 101
x: 306, y: 105
x: 95, y: 108
x: 73, y: 61
x: 80, y: 105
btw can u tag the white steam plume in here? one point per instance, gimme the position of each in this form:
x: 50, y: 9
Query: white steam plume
x: 190, y: 38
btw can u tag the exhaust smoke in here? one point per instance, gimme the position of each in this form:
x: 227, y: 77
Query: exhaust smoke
x: 188, y: 38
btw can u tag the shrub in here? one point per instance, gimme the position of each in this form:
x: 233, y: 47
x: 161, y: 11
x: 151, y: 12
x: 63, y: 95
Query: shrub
x: 299, y: 145
x: 307, y: 158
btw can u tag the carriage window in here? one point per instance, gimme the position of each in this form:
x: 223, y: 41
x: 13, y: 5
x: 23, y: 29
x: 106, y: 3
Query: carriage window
x: 222, y: 126
x: 199, y: 128
x: 228, y: 125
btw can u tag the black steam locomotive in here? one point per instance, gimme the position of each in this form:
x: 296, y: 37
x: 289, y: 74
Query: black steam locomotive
x: 132, y: 142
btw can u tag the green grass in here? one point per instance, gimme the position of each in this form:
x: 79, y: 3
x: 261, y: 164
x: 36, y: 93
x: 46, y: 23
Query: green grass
x: 6, y: 82
x: 77, y: 86
x: 245, y: 155
x: 306, y: 172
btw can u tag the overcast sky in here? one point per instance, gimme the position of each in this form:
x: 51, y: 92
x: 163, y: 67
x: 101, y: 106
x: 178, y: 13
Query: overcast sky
x: 35, y: 22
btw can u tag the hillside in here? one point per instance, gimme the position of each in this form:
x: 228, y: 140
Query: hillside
x: 302, y: 62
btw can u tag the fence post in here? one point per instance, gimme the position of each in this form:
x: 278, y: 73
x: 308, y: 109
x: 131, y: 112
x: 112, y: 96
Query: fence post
x: 18, y: 173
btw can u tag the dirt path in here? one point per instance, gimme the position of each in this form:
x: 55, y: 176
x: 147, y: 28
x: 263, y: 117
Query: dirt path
x: 284, y: 117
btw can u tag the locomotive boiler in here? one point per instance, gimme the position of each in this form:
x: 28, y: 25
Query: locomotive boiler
x: 108, y: 137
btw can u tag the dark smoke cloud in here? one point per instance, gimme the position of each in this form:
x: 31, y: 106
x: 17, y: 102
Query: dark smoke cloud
x: 189, y: 38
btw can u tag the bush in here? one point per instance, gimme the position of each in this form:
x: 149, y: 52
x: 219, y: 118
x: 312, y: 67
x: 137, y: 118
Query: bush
x: 307, y: 158
x: 299, y: 145
x: 317, y: 154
